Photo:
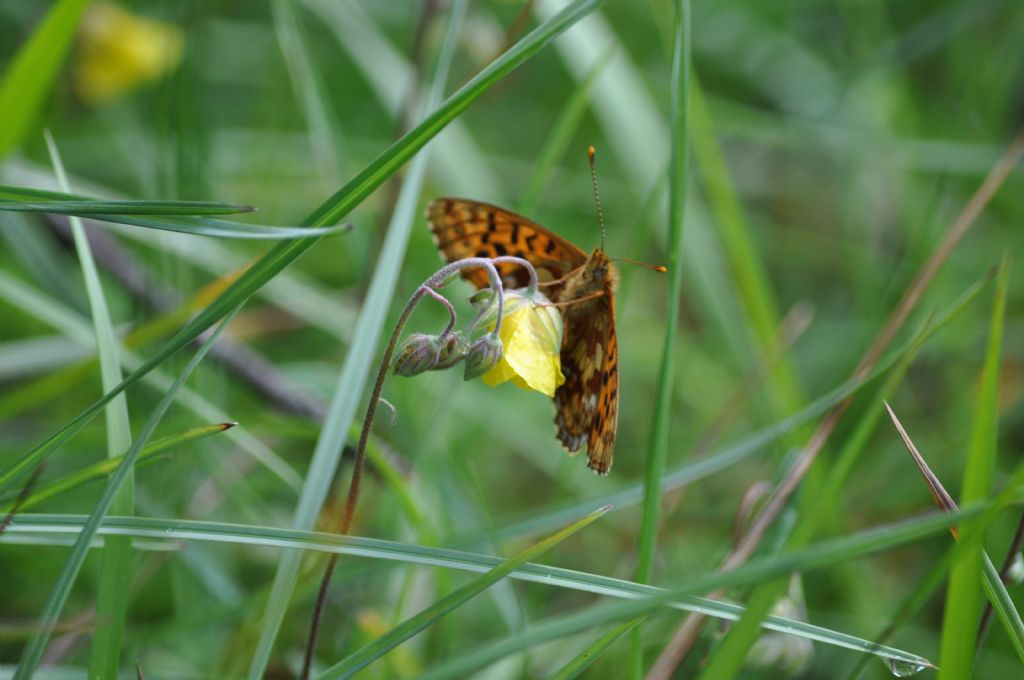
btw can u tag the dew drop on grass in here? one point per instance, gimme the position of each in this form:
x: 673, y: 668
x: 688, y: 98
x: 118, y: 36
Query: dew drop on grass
x: 904, y: 669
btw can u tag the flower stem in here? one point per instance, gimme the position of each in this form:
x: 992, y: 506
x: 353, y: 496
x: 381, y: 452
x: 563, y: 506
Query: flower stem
x: 427, y: 288
x: 452, y: 318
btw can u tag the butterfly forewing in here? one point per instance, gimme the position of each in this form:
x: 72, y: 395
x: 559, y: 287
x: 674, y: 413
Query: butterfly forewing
x: 587, y: 405
x: 463, y: 228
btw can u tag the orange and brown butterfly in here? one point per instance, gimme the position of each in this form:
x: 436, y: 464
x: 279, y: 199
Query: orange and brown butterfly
x: 583, y: 288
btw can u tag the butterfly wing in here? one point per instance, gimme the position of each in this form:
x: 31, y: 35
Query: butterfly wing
x: 587, y: 404
x: 462, y: 228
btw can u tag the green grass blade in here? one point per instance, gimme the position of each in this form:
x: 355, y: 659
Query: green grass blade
x: 31, y: 75
x: 350, y: 385
x: 459, y: 163
x: 554, y: 147
x: 594, y: 650
x: 74, y: 326
x: 727, y: 659
x: 633, y: 125
x: 115, y: 570
x: 388, y: 162
x: 52, y: 528
x: 41, y: 256
x: 678, y: 181
x: 33, y: 652
x: 152, y: 453
x: 1003, y: 604
x: 963, y: 596
x: 186, y: 217
x: 922, y: 593
x: 323, y: 134
x: 410, y: 627
x: 812, y: 557
x: 332, y: 210
x: 27, y: 199
x: 207, y: 226
x: 752, y: 283
x: 357, y: 363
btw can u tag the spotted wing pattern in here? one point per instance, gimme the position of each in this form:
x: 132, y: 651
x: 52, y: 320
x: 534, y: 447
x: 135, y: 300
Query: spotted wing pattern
x: 587, y: 404
x: 462, y: 228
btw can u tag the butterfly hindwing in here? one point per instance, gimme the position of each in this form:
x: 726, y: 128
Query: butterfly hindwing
x: 462, y: 228
x: 587, y: 404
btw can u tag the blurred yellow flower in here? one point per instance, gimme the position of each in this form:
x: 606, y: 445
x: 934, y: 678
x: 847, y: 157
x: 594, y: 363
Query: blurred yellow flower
x: 118, y: 51
x: 532, y: 337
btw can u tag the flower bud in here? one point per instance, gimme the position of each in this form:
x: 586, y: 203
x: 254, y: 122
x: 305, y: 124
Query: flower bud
x: 484, y: 355
x: 482, y: 298
x: 418, y: 353
x: 453, y: 349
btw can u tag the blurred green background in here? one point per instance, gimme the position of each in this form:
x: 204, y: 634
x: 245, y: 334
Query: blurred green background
x: 833, y: 144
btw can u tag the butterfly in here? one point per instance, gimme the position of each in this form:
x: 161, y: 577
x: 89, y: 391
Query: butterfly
x: 587, y: 404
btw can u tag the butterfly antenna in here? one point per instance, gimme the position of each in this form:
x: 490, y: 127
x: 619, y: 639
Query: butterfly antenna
x: 655, y: 267
x: 597, y: 196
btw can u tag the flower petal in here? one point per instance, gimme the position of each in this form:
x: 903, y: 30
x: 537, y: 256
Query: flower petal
x: 532, y: 336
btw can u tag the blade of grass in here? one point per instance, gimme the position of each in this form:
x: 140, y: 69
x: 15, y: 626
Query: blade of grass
x: 354, y: 372
x: 152, y: 453
x: 751, y: 281
x: 31, y: 74
x: 352, y: 382
x: 554, y: 147
x: 963, y: 595
x: 410, y: 627
x: 594, y: 650
x: 678, y: 180
x: 203, y: 226
x: 290, y: 290
x: 992, y: 581
x: 74, y: 326
x: 812, y: 557
x: 621, y: 100
x: 324, y: 135
x: 933, y: 579
x: 55, y: 527
x: 115, y: 567
x: 682, y: 641
x: 42, y: 257
x: 728, y: 657
x: 29, y: 199
x: 330, y: 212
x: 52, y: 312
x: 33, y: 652
x: 458, y: 160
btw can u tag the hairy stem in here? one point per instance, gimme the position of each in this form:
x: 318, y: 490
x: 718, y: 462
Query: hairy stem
x: 427, y: 288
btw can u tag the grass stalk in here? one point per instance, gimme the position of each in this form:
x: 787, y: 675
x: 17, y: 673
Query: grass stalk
x: 678, y: 180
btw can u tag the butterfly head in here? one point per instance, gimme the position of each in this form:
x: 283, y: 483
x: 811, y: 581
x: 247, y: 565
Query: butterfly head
x: 599, y: 268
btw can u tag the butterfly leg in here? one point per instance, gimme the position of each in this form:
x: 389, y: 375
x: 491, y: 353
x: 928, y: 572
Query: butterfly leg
x: 566, y: 303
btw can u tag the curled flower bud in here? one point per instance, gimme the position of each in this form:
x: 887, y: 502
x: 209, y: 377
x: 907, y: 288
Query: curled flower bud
x: 453, y: 349
x: 484, y: 355
x: 418, y: 353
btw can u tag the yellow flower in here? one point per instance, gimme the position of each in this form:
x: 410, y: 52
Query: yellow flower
x: 119, y: 51
x: 532, y: 337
